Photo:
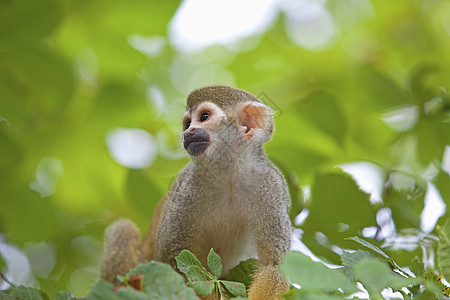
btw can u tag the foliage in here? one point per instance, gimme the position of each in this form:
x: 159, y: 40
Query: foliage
x: 156, y: 280
x: 376, y: 274
x: 374, y: 96
x: 204, y: 282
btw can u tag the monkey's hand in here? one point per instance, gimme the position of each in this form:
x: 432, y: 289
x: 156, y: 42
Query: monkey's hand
x: 122, y: 250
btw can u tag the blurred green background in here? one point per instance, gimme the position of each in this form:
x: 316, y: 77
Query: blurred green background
x: 92, y: 94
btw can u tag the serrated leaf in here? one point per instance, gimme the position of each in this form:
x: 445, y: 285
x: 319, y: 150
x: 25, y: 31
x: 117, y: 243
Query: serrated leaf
x: 22, y: 292
x: 295, y: 294
x: 185, y: 259
x: 417, y: 267
x: 243, y: 272
x: 417, y: 83
x: 376, y: 250
x: 406, y: 202
x: 443, y: 250
x: 5, y: 296
x: 104, y: 290
x: 383, y: 91
x: 196, y: 273
x: 375, y: 275
x: 215, y: 263
x: 203, y: 287
x: 441, y: 181
x: 430, y: 142
x: 65, y: 295
x: 350, y: 259
x: 300, y: 269
x: 162, y: 282
x: 325, y: 112
x: 26, y: 293
x: 350, y: 209
x: 433, y: 283
x: 222, y: 292
x: 234, y: 288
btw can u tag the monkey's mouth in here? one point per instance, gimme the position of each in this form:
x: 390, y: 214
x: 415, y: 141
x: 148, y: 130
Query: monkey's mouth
x: 195, y: 148
x: 196, y: 141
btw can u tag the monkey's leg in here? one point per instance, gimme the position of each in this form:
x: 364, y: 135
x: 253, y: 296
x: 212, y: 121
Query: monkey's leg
x: 122, y: 250
x: 267, y: 284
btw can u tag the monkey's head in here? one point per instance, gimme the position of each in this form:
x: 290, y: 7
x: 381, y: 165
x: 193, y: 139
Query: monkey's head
x: 219, y: 117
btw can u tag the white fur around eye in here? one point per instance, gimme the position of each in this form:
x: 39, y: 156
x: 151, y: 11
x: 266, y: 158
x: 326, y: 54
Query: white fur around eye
x: 216, y: 115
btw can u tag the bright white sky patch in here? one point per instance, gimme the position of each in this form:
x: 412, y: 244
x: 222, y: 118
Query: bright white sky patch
x: 200, y: 23
x: 17, y: 265
x: 446, y: 160
x: 434, y: 208
x: 309, y: 24
x: 368, y: 176
x: 133, y: 148
x: 47, y: 175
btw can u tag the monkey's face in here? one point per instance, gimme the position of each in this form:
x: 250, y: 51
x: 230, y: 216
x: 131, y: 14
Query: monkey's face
x: 200, y: 126
x: 208, y: 129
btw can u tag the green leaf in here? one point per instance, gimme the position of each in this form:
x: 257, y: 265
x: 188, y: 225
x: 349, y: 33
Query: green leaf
x: 23, y: 293
x: 2, y: 265
x: 375, y: 275
x: 295, y: 294
x: 162, y: 282
x: 10, y: 154
x: 215, y: 263
x: 417, y: 83
x: 203, y: 287
x: 300, y: 269
x: 350, y: 259
x: 338, y: 209
x: 104, y: 290
x: 405, y: 201
x: 234, y: 288
x: 384, y: 92
x: 196, y: 273
x: 376, y: 250
x: 243, y: 272
x: 430, y: 141
x: 36, y: 28
x: 186, y: 259
x: 443, y: 250
x: 417, y: 267
x: 441, y: 181
x: 65, y: 295
x: 324, y: 111
x: 433, y: 283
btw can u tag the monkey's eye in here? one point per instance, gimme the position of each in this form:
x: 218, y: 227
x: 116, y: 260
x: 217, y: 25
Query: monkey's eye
x: 204, y: 117
x: 188, y: 123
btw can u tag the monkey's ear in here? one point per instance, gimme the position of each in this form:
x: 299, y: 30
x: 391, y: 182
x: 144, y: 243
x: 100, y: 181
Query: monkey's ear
x: 254, y: 115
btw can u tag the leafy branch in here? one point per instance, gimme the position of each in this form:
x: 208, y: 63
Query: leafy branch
x: 204, y: 282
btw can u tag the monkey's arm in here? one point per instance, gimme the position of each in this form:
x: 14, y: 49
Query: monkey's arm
x: 175, y: 232
x: 177, y: 223
x: 273, y: 235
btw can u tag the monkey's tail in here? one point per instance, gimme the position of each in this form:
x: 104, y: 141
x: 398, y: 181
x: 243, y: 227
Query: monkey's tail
x: 122, y: 250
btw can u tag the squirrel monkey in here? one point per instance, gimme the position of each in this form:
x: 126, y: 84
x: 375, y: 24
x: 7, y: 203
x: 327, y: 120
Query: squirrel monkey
x: 229, y: 197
